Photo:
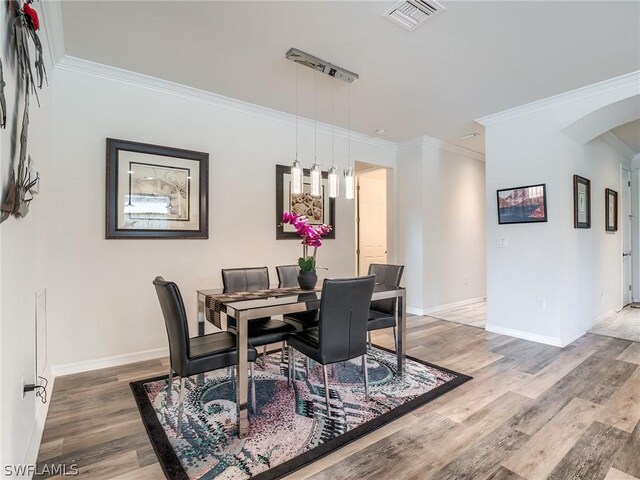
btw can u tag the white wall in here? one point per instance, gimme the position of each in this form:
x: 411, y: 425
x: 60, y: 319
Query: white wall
x: 22, y: 258
x: 570, y: 268
x: 101, y: 301
x: 441, y: 224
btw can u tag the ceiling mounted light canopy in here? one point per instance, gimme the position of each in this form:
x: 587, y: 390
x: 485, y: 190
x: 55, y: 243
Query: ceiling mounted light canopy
x: 320, y: 65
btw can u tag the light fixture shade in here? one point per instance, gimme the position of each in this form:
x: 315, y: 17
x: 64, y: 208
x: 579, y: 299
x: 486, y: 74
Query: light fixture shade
x: 316, y: 180
x: 296, y: 178
x: 349, y: 184
x: 334, y: 183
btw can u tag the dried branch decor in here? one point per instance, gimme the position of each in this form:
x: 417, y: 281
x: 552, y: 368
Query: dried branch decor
x: 23, y: 183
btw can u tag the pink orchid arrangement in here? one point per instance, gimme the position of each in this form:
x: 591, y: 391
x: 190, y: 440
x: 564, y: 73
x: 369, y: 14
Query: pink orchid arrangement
x: 311, y: 237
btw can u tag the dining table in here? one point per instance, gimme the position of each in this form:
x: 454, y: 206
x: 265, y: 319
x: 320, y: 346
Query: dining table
x: 214, y: 305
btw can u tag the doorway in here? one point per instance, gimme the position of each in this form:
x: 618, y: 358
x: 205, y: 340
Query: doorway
x: 371, y: 217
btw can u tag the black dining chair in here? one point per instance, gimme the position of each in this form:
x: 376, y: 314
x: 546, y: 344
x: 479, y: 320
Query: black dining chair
x: 288, y: 278
x: 261, y: 331
x: 342, y: 329
x: 192, y: 356
x: 382, y: 313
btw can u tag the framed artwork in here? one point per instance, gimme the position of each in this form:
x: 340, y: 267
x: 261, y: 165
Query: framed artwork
x: 156, y: 192
x: 611, y: 210
x: 581, y: 202
x: 318, y: 210
x: 522, y: 204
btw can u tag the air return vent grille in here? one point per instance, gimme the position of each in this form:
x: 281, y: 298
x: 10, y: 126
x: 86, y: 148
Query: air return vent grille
x: 411, y: 13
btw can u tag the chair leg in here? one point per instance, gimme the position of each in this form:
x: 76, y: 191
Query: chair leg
x: 307, y: 367
x: 170, y: 387
x: 326, y: 390
x: 395, y: 338
x: 366, y: 377
x: 264, y: 355
x: 233, y: 378
x: 181, y: 408
x: 282, y: 353
x: 369, y: 333
x: 290, y: 365
x: 253, y: 388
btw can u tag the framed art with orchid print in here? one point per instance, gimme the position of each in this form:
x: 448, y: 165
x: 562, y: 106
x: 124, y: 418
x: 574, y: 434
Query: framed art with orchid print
x: 318, y: 210
x: 611, y: 210
x: 156, y: 192
x: 581, y: 202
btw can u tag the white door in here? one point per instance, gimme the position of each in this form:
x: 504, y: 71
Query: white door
x: 625, y: 224
x: 372, y: 219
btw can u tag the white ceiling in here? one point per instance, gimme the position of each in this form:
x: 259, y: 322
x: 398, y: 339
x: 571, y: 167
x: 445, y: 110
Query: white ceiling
x: 474, y: 59
x: 629, y: 133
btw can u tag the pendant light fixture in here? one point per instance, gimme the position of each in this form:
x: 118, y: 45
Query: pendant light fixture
x: 315, y: 173
x: 349, y: 179
x: 297, y: 173
x: 332, y: 177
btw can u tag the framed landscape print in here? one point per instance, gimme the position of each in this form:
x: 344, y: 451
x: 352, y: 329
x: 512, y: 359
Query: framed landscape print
x: 581, y: 202
x: 522, y: 204
x: 156, y: 192
x: 611, y: 210
x: 318, y: 210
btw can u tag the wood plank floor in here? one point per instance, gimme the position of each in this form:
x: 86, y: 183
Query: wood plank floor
x: 531, y: 412
x: 473, y: 314
x: 623, y: 324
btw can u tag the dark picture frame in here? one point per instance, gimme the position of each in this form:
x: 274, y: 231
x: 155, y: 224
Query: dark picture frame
x: 526, y: 204
x: 581, y: 202
x: 156, y: 192
x: 610, y: 210
x: 284, y: 205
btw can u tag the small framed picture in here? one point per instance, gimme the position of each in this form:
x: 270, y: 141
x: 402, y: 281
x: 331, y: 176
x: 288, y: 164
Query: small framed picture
x: 581, y: 202
x: 318, y: 210
x: 522, y: 204
x: 611, y: 210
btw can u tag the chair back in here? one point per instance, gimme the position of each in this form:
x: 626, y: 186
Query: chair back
x: 175, y: 319
x: 245, y: 279
x: 287, y: 276
x: 389, y: 275
x: 344, y: 312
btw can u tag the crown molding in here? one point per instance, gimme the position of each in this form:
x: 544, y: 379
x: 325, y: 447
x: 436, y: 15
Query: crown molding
x: 78, y: 65
x: 623, y: 81
x: 426, y: 141
x: 53, y: 28
x: 622, y: 148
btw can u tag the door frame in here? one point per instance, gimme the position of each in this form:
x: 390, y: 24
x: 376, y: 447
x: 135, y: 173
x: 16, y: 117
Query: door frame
x: 626, y: 228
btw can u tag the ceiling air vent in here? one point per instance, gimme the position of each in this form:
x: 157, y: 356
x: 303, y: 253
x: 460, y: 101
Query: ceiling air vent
x: 411, y: 13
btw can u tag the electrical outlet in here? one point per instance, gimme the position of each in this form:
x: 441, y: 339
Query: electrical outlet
x: 541, y: 303
x: 466, y: 281
x: 501, y: 242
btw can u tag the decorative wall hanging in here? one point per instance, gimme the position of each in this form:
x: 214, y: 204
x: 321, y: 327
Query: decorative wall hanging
x: 318, y: 210
x: 522, y: 204
x: 156, y: 192
x: 611, y: 210
x: 22, y: 183
x: 581, y: 202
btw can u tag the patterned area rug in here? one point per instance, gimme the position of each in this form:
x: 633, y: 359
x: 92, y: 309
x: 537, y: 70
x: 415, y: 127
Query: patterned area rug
x: 290, y: 428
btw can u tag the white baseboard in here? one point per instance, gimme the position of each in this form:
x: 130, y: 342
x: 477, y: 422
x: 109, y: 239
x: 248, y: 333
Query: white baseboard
x: 440, y: 308
x: 415, y: 311
x: 105, y: 362
x: 33, y: 446
x: 534, y: 337
x: 604, y: 316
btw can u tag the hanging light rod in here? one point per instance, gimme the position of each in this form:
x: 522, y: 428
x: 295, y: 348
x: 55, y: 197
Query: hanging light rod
x: 320, y: 65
